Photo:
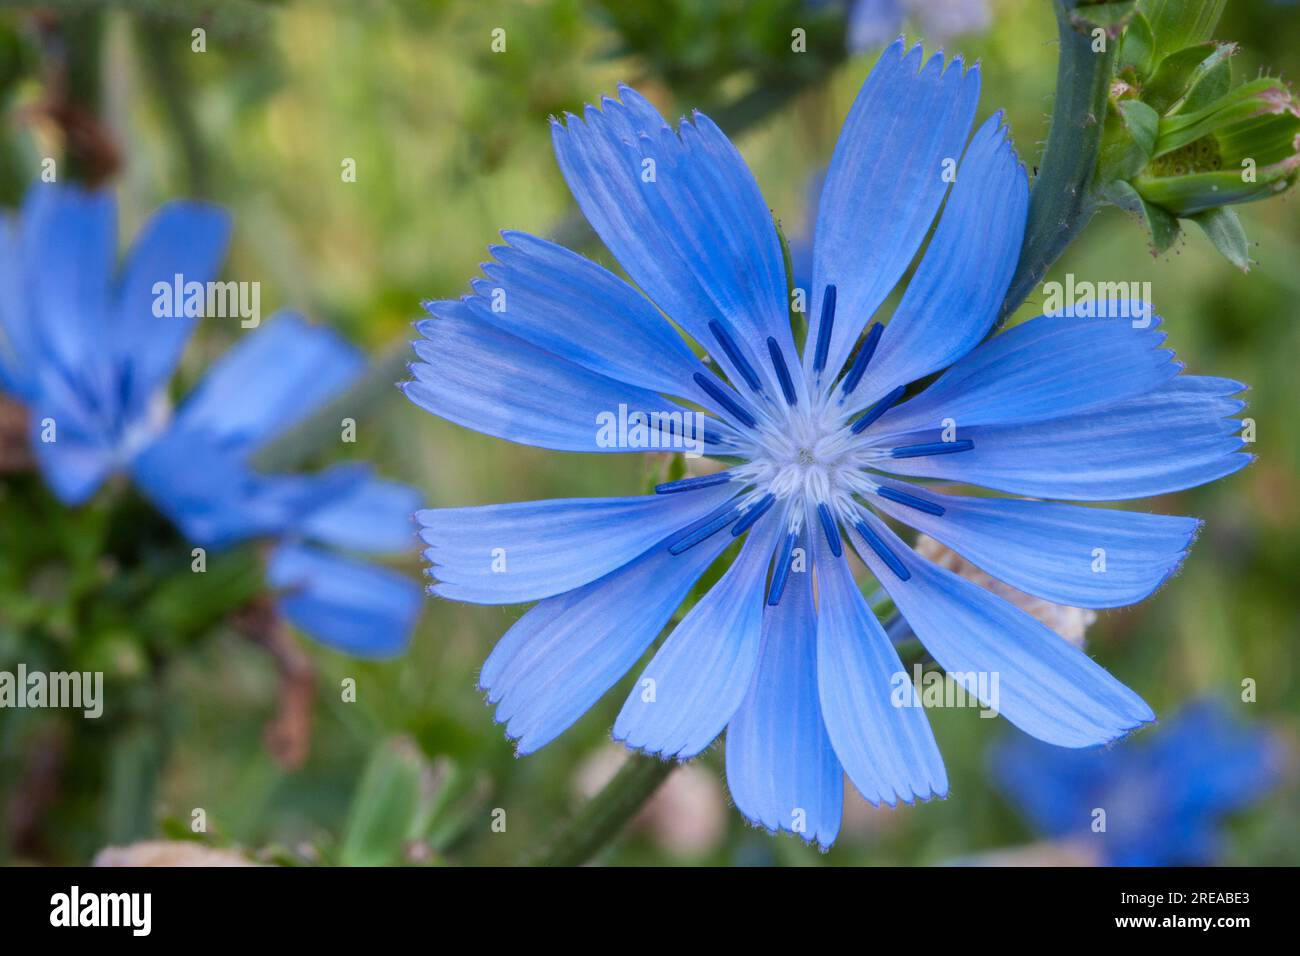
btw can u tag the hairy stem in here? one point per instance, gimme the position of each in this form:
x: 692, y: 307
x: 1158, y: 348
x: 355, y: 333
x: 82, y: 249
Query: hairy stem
x: 1061, y: 203
x: 603, y: 816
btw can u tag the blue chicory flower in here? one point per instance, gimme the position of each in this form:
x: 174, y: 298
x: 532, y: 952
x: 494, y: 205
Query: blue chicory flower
x: 1163, y: 797
x: 84, y: 349
x: 550, y: 345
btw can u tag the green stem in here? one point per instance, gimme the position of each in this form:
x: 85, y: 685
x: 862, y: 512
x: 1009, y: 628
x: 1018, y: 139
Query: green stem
x: 160, y: 45
x: 604, y: 815
x: 1062, y: 203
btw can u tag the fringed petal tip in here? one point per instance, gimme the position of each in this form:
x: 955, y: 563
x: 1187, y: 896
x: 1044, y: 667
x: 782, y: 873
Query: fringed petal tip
x: 899, y: 48
x: 493, y: 693
x: 822, y: 841
x: 1145, y: 722
x: 644, y: 116
x: 938, y: 791
x: 680, y: 761
x: 1176, y: 562
x: 1006, y: 142
x: 647, y: 750
x: 1140, y: 718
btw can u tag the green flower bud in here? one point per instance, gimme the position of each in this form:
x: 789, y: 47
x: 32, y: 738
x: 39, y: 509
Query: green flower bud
x: 1242, y: 146
x: 1181, y: 142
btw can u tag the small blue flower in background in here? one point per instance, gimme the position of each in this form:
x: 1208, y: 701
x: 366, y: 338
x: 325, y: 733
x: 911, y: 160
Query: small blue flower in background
x: 84, y: 350
x: 1164, y: 795
x: 819, y: 446
x: 873, y: 23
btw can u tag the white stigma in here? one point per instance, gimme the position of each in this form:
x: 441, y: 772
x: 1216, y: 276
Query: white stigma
x: 803, y: 458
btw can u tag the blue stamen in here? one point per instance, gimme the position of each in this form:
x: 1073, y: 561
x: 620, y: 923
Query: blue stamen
x: 864, y: 357
x: 882, y: 551
x: 782, y: 373
x: 733, y: 352
x: 882, y: 406
x: 716, y: 393
x: 933, y: 448
x: 781, y: 570
x: 754, y: 512
x: 824, y: 329
x: 690, y: 484
x: 693, y: 535
x: 831, y: 530
x: 904, y: 498
x: 711, y: 437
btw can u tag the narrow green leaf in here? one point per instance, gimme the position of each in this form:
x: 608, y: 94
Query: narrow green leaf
x: 1210, y: 81
x: 1174, y: 74
x: 1195, y: 193
x: 1258, y: 98
x: 386, y: 810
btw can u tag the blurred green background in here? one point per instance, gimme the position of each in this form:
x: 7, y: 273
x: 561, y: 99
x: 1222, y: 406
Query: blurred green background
x: 451, y: 144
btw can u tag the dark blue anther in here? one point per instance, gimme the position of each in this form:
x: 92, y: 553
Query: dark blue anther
x: 781, y: 570
x: 824, y: 329
x: 831, y: 530
x: 904, y: 498
x: 733, y: 352
x: 755, y: 511
x: 882, y: 551
x: 882, y: 406
x: 933, y: 448
x: 715, y: 392
x: 782, y: 372
x: 864, y: 357
x: 696, y: 533
x: 690, y: 484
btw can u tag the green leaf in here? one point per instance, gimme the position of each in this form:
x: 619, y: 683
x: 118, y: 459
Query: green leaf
x: 1174, y: 74
x: 1223, y: 228
x: 387, y: 809
x: 1198, y: 192
x: 1254, y: 100
x: 136, y: 756
x: 1129, y: 140
x: 188, y: 602
x: 1211, y: 80
x: 1271, y: 142
x: 1137, y: 51
x: 1162, y: 226
x: 457, y: 805
x: 1180, y: 23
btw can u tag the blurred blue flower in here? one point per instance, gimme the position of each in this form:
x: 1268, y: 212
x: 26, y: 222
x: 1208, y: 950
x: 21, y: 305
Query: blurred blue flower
x: 873, y: 23
x: 551, y: 348
x: 84, y: 349
x: 1163, y: 797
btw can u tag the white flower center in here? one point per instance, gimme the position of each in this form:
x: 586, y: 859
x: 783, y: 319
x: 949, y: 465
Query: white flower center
x: 803, y: 458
